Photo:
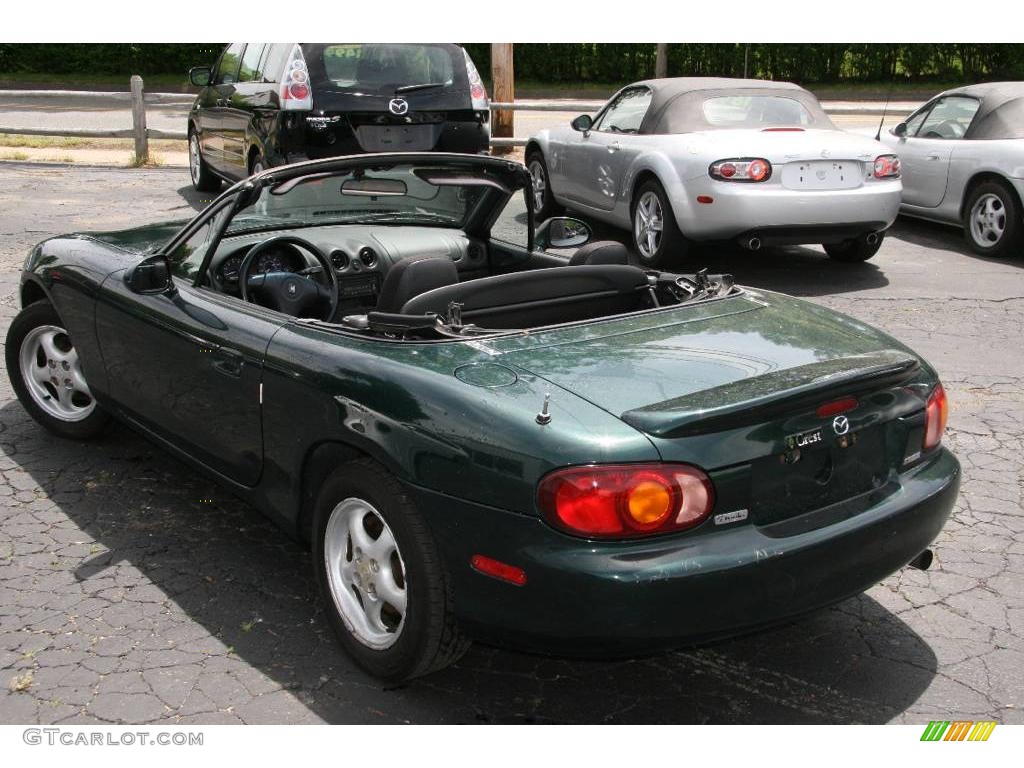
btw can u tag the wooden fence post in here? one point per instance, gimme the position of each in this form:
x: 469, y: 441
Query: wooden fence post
x: 503, y: 77
x: 139, y: 122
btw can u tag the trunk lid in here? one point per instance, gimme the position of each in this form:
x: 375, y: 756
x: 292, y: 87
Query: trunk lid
x: 734, y: 386
x: 809, y: 159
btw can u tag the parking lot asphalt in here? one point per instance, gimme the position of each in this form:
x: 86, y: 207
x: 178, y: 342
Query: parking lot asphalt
x: 134, y: 590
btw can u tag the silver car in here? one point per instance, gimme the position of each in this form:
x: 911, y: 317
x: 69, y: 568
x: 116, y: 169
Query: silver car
x: 963, y: 163
x: 681, y: 160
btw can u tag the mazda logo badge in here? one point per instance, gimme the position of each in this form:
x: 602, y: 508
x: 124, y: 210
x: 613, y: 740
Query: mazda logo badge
x: 841, y: 425
x: 292, y: 289
x: 398, y: 106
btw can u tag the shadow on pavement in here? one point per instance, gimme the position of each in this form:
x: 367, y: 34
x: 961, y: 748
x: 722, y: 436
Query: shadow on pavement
x: 231, y: 578
x: 198, y: 200
x: 795, y: 270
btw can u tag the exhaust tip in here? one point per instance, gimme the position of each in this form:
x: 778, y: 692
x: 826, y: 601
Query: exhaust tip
x: 923, y: 561
x: 752, y: 244
x: 872, y: 238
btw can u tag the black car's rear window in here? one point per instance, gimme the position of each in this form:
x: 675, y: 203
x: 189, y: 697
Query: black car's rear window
x: 381, y: 67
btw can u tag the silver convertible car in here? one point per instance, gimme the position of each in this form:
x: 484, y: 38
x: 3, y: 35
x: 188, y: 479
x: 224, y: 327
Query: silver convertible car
x: 684, y: 159
x: 963, y: 163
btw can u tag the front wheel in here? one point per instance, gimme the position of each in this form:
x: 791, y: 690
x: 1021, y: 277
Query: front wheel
x: 47, y: 377
x: 857, y: 249
x: 544, y: 206
x: 656, y: 235
x: 380, y: 574
x: 992, y: 220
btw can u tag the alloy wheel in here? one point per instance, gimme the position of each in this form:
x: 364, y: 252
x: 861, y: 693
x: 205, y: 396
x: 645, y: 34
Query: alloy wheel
x: 648, y: 224
x: 540, y: 184
x: 365, y: 573
x: 988, y: 220
x: 194, y: 158
x: 51, y: 371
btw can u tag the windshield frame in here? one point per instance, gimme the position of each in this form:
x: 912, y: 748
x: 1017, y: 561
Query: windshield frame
x: 243, y: 194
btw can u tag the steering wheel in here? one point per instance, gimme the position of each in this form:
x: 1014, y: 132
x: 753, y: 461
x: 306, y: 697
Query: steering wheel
x: 293, y: 293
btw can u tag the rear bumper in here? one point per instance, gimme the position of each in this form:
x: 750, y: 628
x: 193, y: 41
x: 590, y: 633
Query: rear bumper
x: 742, y: 208
x: 336, y: 140
x: 599, y: 599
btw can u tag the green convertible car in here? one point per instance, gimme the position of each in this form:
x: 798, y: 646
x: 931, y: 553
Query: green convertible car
x: 482, y: 438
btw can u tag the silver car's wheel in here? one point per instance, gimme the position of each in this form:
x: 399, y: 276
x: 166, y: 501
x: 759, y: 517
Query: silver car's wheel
x: 195, y: 160
x: 540, y: 184
x: 988, y: 220
x: 52, y: 375
x: 366, y: 573
x: 648, y: 225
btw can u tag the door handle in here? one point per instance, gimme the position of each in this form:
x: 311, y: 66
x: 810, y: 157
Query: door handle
x: 933, y: 157
x: 229, y: 362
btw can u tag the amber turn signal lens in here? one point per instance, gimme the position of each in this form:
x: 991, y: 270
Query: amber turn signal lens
x: 649, y: 502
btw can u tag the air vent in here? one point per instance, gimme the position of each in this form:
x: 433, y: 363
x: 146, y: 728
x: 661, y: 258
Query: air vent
x: 339, y: 259
x: 475, y: 251
x: 368, y: 256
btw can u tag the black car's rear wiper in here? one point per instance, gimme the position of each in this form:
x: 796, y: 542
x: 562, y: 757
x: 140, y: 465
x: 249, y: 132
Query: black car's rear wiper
x: 419, y: 87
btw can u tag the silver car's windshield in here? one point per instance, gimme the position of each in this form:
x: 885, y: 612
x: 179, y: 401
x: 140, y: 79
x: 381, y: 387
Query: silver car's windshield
x: 755, y: 112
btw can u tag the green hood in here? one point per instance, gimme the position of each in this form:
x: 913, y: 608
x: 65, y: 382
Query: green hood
x: 146, y: 239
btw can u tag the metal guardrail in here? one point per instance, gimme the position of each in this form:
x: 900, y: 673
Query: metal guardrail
x: 137, y: 100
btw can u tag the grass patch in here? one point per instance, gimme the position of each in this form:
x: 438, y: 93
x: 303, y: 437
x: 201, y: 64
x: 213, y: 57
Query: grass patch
x: 167, y: 82
x: 21, y: 682
x: 13, y: 156
x: 43, y: 142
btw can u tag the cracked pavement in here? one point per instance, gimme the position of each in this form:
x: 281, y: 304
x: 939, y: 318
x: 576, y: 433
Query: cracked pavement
x: 134, y: 590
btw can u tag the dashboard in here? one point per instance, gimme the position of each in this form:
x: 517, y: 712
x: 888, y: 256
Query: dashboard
x: 360, y: 256
x: 283, y: 258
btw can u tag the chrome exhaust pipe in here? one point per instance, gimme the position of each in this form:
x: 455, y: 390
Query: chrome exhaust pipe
x: 872, y: 238
x: 923, y: 561
x: 753, y: 244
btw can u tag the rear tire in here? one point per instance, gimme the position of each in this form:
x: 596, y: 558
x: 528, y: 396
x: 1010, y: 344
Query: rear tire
x: 656, y: 236
x: 203, y: 178
x: 384, y: 587
x: 544, y: 205
x: 257, y: 164
x: 44, y: 370
x: 857, y: 249
x: 992, y: 220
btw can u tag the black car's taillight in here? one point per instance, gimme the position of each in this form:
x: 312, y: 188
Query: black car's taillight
x: 295, y: 93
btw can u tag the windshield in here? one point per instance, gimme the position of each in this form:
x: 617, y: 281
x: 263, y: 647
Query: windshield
x: 396, y: 194
x: 382, y: 67
x: 755, y: 112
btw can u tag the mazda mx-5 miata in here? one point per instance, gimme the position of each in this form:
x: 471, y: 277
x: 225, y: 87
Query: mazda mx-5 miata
x: 482, y: 438
x: 963, y: 158
x: 696, y: 159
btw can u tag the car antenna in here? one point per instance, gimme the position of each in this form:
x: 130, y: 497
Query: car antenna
x: 892, y: 82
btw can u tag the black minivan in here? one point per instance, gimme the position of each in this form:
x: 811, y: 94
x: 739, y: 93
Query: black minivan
x: 267, y: 104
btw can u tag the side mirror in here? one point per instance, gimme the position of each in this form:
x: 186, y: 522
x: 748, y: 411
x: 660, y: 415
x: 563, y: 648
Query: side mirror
x: 561, y: 232
x: 582, y: 123
x: 199, y: 76
x: 900, y: 130
x: 150, y: 276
